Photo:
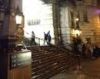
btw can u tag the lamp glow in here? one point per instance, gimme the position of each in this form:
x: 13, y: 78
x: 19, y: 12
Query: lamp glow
x: 76, y: 19
x: 18, y: 19
x: 76, y: 32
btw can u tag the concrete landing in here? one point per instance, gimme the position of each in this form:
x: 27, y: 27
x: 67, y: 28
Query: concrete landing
x: 90, y: 70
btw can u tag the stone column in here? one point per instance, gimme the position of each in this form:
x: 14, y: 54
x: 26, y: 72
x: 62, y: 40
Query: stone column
x: 56, y: 21
x: 7, y: 36
x: 4, y: 39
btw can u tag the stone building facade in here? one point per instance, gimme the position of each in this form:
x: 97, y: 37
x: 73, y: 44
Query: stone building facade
x: 64, y: 14
x: 89, y: 20
x: 88, y: 13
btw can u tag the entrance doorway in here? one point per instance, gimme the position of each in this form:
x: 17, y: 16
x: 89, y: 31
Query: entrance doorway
x: 38, y: 19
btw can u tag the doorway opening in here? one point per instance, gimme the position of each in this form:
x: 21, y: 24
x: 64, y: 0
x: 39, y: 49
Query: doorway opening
x: 38, y: 19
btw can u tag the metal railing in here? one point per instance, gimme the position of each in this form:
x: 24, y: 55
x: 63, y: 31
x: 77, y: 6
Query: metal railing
x: 38, y: 41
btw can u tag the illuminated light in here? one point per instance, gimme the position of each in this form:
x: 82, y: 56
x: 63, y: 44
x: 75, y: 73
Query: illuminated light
x: 76, y: 19
x: 18, y: 19
x: 76, y: 32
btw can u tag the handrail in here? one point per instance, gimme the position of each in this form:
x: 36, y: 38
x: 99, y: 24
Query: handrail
x: 38, y: 41
x: 41, y: 39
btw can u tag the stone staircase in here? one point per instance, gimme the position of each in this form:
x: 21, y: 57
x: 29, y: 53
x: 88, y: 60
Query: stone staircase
x: 49, y: 61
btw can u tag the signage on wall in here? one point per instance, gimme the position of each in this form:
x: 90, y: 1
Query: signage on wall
x: 20, y: 59
x: 33, y: 22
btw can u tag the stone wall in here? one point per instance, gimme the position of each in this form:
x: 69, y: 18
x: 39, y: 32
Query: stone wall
x: 91, y: 29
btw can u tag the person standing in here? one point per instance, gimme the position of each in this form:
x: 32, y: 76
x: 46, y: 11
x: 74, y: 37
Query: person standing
x: 48, y: 38
x: 33, y: 39
x: 89, y: 48
x: 45, y: 38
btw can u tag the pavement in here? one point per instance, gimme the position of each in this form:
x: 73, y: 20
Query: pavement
x: 89, y: 69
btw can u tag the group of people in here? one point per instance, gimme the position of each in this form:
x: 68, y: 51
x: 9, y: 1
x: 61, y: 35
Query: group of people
x: 47, y: 38
x: 87, y: 49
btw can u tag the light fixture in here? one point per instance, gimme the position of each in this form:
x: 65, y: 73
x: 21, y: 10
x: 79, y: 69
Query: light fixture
x: 19, y: 16
x: 76, y: 19
x: 76, y: 31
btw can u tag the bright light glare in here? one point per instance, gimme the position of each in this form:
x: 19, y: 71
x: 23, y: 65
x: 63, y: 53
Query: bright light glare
x: 36, y: 10
x: 76, y: 19
x: 18, y: 19
x: 76, y: 32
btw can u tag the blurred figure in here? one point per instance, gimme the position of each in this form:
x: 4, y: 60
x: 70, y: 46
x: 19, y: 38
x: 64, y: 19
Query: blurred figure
x: 77, y: 45
x: 48, y: 38
x: 96, y: 51
x: 33, y: 39
x: 45, y: 38
x: 89, y: 48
